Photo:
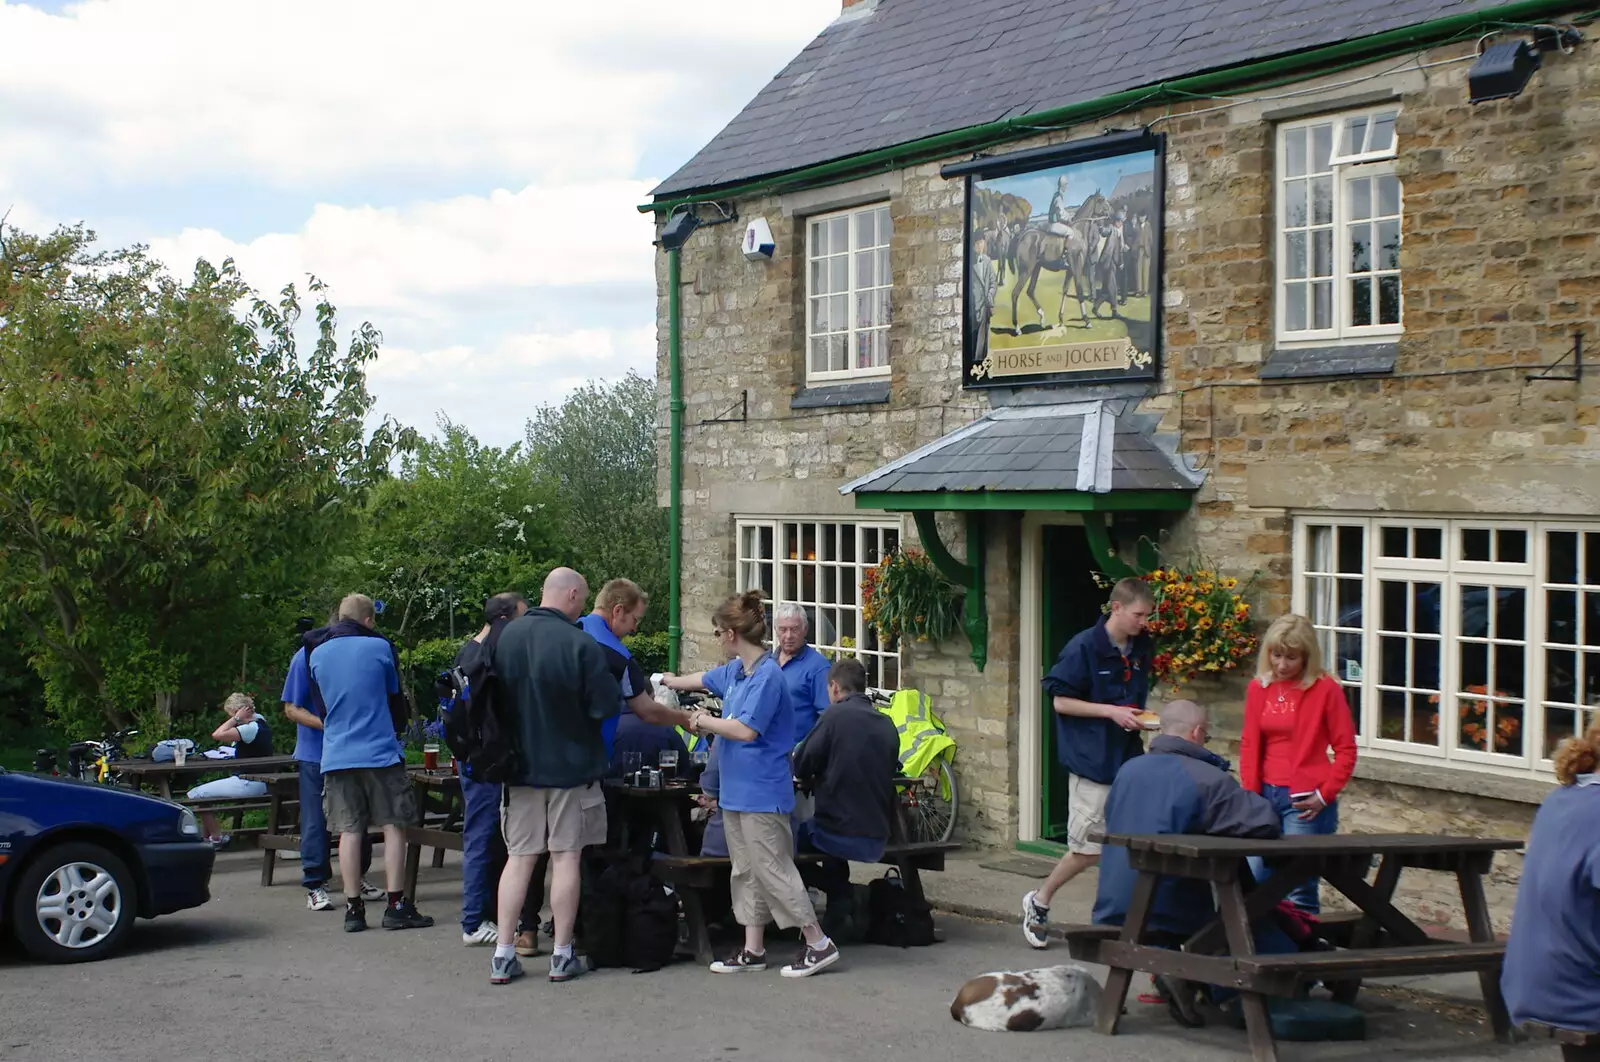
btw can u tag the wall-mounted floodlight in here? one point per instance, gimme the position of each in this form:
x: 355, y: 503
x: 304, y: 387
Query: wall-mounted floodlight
x: 677, y: 230
x: 1504, y: 68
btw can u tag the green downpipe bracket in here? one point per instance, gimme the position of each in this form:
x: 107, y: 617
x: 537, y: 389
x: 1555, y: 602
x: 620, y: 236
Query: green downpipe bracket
x: 1260, y: 74
x: 675, y: 409
x: 969, y: 574
x: 1105, y: 554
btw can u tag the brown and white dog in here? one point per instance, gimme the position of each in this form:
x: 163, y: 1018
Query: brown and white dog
x: 1054, y: 997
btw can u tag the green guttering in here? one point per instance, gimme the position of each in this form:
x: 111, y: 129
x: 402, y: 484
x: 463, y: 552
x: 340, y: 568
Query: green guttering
x: 675, y: 409
x: 1060, y: 501
x: 1298, y: 66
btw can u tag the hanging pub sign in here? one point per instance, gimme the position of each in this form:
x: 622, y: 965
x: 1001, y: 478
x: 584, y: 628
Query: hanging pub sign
x: 1062, y: 278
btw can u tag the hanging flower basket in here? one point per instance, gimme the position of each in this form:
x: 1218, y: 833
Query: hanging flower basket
x: 1201, y: 623
x: 906, y: 593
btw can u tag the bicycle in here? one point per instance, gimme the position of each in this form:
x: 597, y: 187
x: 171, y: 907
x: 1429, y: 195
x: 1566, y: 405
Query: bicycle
x: 930, y: 800
x: 97, y: 755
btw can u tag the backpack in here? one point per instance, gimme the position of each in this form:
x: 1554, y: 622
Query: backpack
x: 894, y: 917
x: 475, y: 726
x: 399, y: 707
x: 602, y: 911
x: 650, y: 924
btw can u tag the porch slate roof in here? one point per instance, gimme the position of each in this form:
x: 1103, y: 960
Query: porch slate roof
x: 1081, y: 446
x: 887, y: 72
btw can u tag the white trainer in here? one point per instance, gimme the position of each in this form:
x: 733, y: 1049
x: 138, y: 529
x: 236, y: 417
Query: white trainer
x: 485, y: 936
x: 317, y: 899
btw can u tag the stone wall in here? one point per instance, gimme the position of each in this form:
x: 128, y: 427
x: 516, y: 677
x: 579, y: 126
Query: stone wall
x: 1499, y: 264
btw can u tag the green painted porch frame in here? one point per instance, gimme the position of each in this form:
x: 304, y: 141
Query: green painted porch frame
x: 970, y: 574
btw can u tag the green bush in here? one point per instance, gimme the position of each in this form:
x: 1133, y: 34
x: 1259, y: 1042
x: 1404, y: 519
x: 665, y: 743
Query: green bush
x: 650, y: 650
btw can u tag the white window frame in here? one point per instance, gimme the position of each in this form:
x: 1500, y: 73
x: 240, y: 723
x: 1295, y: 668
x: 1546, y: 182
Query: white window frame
x: 1344, y: 166
x: 1533, y: 574
x: 825, y: 580
x: 853, y: 330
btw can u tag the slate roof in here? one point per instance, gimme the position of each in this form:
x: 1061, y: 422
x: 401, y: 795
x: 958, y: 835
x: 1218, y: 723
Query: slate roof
x: 894, y: 71
x: 1081, y: 446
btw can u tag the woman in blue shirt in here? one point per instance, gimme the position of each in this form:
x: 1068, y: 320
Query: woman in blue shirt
x: 1552, y: 968
x: 756, y: 733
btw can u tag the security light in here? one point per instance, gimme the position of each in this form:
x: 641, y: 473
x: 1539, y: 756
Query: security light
x: 678, y: 229
x: 1502, y: 71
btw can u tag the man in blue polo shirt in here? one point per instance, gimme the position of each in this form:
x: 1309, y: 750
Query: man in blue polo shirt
x: 364, y: 782
x: 1098, y: 687
x: 805, y: 671
x: 315, y: 865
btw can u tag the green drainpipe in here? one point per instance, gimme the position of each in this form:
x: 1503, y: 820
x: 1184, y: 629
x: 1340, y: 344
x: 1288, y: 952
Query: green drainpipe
x: 1288, y: 69
x: 675, y: 459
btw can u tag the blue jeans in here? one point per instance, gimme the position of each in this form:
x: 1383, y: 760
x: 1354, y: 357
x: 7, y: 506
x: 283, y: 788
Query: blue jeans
x: 316, y: 865
x: 1305, y: 895
x: 483, y: 857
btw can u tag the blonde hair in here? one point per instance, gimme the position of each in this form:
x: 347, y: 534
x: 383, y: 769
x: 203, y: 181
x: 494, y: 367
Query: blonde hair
x: 1291, y: 634
x: 1578, y: 755
x: 237, y: 702
x: 620, y: 592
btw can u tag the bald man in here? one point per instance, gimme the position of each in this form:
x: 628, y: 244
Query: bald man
x: 1178, y: 787
x: 559, y: 690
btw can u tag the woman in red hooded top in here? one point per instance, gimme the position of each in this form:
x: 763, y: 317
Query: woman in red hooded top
x: 1294, y: 715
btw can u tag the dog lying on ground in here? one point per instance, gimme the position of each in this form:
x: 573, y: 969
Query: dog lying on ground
x: 1054, y: 997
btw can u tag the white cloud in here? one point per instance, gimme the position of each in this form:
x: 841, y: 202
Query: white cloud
x: 293, y: 90
x: 389, y: 258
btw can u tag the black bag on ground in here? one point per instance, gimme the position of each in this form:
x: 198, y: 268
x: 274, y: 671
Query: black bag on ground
x: 894, y: 917
x: 650, y: 924
x: 602, y: 908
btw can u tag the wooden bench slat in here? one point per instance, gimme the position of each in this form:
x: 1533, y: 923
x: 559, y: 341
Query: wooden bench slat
x: 1574, y: 1037
x: 1376, y: 962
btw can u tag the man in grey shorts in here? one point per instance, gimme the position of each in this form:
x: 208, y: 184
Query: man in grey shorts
x: 558, y: 689
x: 364, y: 781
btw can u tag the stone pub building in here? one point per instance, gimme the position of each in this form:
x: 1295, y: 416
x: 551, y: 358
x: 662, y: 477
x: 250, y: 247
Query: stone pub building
x: 1053, y: 280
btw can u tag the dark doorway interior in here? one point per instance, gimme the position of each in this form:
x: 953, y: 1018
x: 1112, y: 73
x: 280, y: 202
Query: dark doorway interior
x: 1070, y: 602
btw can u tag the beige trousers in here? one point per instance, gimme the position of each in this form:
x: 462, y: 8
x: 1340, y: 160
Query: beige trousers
x: 766, y: 885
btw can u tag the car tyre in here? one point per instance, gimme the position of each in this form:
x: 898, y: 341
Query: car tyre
x: 74, y: 903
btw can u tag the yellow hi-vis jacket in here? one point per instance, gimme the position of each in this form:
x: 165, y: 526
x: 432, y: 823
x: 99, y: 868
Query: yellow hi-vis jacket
x: 922, y: 735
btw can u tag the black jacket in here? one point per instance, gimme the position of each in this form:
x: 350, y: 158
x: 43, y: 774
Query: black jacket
x: 849, y: 759
x: 558, y: 690
x: 1178, y: 788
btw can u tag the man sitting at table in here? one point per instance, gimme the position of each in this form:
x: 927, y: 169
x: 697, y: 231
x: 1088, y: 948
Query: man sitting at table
x: 1180, y: 787
x: 251, y: 738
x: 848, y: 761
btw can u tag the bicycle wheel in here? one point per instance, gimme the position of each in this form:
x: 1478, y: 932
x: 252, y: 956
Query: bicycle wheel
x: 930, y: 813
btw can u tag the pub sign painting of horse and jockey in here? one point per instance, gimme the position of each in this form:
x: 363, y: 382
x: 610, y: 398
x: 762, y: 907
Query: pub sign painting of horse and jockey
x: 1063, y: 263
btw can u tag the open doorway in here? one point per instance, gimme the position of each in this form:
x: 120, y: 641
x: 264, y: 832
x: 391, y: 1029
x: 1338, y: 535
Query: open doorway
x: 1069, y: 602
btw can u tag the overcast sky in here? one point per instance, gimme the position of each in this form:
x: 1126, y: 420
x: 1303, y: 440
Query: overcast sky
x: 463, y: 174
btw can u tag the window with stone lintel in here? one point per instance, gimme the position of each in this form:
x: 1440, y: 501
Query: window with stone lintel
x: 848, y: 284
x: 1338, y: 229
x: 1470, y: 640
x: 819, y: 565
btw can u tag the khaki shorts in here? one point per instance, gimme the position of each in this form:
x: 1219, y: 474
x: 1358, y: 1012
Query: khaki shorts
x: 1086, y: 813
x: 536, y: 820
x: 357, y: 799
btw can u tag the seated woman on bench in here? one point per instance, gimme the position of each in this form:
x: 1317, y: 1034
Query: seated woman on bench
x: 849, y: 762
x: 251, y: 739
x: 1554, y: 949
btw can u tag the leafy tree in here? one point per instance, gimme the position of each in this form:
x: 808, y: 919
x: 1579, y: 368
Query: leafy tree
x: 173, y: 474
x: 461, y: 522
x: 597, y: 450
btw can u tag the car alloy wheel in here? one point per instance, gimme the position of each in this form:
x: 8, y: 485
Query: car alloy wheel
x: 79, y: 904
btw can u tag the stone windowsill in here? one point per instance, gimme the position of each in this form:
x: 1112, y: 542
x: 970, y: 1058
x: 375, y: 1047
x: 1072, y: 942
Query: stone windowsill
x: 866, y: 393
x: 1293, y: 363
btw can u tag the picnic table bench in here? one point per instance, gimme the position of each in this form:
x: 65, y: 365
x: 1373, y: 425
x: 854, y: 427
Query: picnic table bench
x: 1576, y: 1045
x: 1223, y: 952
x: 693, y: 873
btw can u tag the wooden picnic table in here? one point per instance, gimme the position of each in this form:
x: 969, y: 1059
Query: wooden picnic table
x: 1223, y: 952
x: 443, y: 787
x: 160, y: 775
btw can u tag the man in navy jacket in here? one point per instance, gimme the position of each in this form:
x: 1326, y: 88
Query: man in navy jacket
x: 1180, y: 787
x: 1098, y: 688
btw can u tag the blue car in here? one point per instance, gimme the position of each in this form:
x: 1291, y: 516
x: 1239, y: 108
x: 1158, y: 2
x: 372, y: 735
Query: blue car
x: 79, y: 862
